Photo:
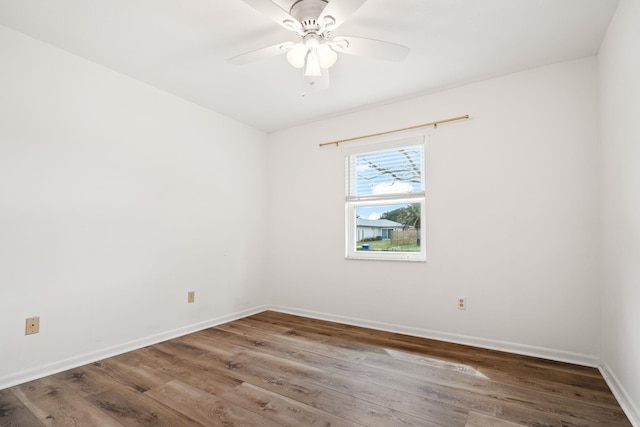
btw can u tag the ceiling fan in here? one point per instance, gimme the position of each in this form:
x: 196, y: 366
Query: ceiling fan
x: 316, y: 49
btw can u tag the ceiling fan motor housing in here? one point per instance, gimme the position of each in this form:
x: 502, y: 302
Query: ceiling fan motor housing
x: 307, y: 13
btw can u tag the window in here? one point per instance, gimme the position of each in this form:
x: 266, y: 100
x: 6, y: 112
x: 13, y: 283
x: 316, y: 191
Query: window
x: 384, y: 201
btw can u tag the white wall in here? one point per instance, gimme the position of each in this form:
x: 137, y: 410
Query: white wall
x: 115, y: 200
x: 512, y: 218
x: 619, y: 65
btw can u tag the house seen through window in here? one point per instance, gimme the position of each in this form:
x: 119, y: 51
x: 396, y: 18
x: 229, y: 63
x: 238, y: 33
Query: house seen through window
x: 385, y: 197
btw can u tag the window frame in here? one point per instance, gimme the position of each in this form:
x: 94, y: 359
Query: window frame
x: 353, y: 202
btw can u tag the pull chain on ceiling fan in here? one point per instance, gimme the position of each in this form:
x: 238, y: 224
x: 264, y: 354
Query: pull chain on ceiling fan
x: 316, y: 49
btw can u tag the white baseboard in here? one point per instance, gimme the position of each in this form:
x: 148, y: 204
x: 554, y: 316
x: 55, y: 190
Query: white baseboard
x: 628, y: 405
x: 542, y: 352
x: 83, y: 359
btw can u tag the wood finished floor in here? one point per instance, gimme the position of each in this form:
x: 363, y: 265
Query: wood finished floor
x: 274, y: 369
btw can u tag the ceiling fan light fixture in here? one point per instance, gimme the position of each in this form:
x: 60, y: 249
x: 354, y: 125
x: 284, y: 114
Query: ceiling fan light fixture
x: 297, y: 54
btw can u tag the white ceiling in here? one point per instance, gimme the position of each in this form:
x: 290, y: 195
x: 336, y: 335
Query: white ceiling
x: 181, y: 46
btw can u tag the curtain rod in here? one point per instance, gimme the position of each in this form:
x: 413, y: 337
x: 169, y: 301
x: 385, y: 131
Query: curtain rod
x: 434, y: 124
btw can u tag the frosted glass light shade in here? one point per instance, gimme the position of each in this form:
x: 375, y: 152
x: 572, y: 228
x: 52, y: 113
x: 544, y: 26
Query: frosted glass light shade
x: 296, y: 55
x: 327, y: 56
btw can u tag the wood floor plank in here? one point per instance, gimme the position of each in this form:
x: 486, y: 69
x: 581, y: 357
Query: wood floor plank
x: 282, y: 410
x: 197, y: 375
x: 129, y: 369
x: 205, y: 408
x: 56, y: 405
x: 129, y: 407
x: 86, y: 380
x: 315, y: 343
x: 13, y: 413
x: 480, y: 420
x: 135, y: 409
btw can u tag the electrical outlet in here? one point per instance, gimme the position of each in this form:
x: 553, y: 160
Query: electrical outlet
x: 462, y: 303
x: 32, y: 325
x: 191, y: 296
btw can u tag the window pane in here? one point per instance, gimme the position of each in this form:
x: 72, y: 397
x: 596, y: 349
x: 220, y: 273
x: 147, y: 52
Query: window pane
x: 388, y: 227
x: 384, y: 201
x: 391, y: 171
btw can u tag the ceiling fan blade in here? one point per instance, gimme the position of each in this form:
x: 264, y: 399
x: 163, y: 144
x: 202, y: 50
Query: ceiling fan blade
x: 340, y: 11
x: 275, y: 12
x: 371, y: 48
x: 259, y: 54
